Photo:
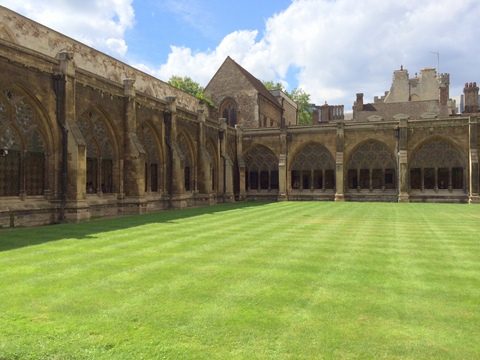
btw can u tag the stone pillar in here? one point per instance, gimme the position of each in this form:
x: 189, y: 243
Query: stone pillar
x: 228, y: 195
x: 282, y: 167
x: 204, y: 174
x: 474, y: 186
x: 72, y: 190
x: 134, y: 154
x: 402, y: 138
x: 339, y: 165
x: 241, y: 164
x: 175, y: 181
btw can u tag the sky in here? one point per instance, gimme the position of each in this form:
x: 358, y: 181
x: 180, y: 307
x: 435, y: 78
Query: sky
x: 332, y: 49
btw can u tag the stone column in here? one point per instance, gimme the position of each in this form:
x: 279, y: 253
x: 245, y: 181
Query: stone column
x: 282, y: 167
x: 134, y: 154
x: 241, y: 164
x: 402, y: 132
x: 72, y: 189
x: 175, y: 182
x: 339, y: 165
x: 228, y: 195
x: 474, y: 190
x: 204, y: 174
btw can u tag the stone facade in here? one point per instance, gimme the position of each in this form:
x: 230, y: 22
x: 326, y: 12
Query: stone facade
x: 83, y: 135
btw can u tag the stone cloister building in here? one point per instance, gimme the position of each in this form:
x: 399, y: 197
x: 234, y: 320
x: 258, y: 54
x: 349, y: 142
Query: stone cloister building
x: 84, y: 135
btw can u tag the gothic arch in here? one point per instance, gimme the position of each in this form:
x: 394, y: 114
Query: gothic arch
x: 229, y: 110
x: 438, y: 164
x: 213, y: 159
x: 371, y: 166
x: 261, y: 166
x: 154, y: 161
x: 101, y: 150
x: 26, y: 144
x: 186, y: 153
x: 312, y: 167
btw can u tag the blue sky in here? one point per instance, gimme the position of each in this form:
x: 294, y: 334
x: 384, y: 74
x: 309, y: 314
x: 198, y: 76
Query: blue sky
x: 332, y: 49
x: 198, y: 24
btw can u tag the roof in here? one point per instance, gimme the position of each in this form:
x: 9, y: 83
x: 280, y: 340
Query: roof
x: 257, y: 84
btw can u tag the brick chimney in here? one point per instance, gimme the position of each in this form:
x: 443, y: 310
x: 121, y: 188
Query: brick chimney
x: 358, y: 104
x: 471, y: 98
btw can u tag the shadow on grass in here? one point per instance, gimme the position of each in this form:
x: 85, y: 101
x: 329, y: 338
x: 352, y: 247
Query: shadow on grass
x: 11, y: 239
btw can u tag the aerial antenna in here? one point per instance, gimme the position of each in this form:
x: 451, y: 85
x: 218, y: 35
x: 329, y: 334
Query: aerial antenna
x: 438, y: 60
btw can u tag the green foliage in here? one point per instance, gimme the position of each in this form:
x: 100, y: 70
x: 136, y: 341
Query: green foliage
x: 299, y: 96
x: 270, y: 85
x: 303, y: 102
x: 286, y: 280
x: 189, y: 86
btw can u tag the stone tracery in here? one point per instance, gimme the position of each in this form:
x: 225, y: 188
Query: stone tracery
x: 313, y: 168
x: 261, y: 169
x: 23, y: 158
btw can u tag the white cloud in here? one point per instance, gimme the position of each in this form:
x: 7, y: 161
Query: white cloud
x: 347, y: 46
x: 101, y: 24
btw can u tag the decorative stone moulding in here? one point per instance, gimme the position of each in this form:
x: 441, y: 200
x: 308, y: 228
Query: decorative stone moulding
x: 374, y: 118
x: 429, y: 115
x: 401, y: 117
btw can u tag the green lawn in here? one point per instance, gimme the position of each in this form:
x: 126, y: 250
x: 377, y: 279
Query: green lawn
x: 254, y: 280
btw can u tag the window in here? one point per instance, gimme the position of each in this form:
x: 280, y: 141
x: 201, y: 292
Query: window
x: 389, y: 179
x: 186, y: 177
x: 443, y: 178
x: 99, y: 153
x: 429, y: 178
x: 416, y: 178
x: 262, y: 169
x: 309, y: 166
x: 22, y: 157
x: 352, y: 179
x: 457, y: 178
x: 150, y: 144
x: 443, y: 167
x: 371, y: 167
x: 295, y: 174
x: 228, y: 109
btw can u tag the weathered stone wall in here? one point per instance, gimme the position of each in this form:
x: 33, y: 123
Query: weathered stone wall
x: 229, y: 82
x: 270, y: 114
x: 388, y: 111
x: 122, y: 103
x: 29, y: 34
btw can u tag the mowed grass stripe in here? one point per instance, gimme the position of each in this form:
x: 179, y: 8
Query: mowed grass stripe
x: 281, y: 280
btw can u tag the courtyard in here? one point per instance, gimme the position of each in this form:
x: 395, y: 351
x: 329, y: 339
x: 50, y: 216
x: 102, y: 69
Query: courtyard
x: 249, y: 280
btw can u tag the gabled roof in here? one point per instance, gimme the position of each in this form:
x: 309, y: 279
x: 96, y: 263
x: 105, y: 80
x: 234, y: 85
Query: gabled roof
x: 257, y: 84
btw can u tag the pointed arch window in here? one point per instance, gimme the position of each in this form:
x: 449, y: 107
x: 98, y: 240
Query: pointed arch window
x: 187, y: 162
x: 152, y: 161
x: 23, y: 156
x: 438, y: 166
x: 261, y: 169
x: 313, y: 168
x: 100, y: 155
x: 371, y: 167
x: 228, y: 110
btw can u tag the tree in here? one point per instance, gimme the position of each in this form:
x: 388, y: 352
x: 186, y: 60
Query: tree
x: 189, y: 86
x: 270, y: 85
x: 303, y: 102
x: 299, y: 96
